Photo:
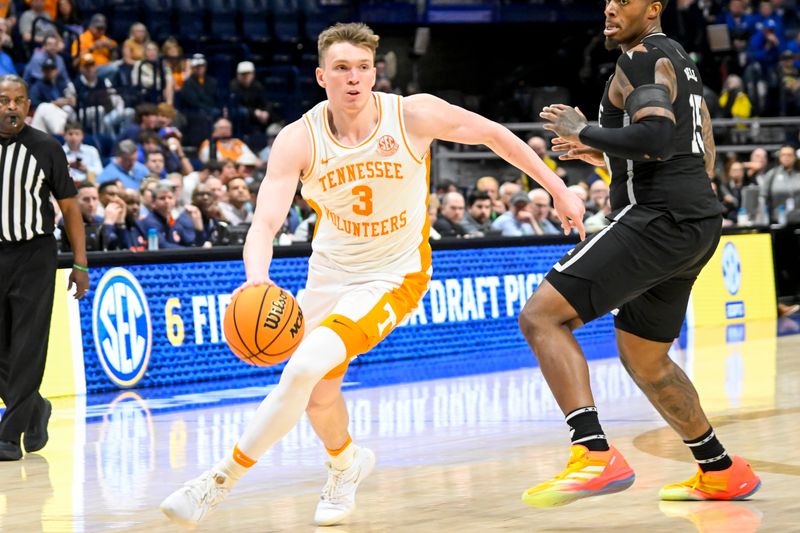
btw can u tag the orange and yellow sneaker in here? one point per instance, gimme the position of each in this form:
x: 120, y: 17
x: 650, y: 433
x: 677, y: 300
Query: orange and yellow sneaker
x: 737, y: 482
x: 587, y: 474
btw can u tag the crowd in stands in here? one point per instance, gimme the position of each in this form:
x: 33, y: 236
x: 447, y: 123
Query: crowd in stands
x: 158, y: 146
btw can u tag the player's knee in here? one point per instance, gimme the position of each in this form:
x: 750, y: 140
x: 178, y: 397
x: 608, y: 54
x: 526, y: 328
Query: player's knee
x: 533, y: 318
x: 302, y: 374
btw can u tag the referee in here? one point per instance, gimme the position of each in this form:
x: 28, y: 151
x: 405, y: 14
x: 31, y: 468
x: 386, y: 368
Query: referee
x: 32, y: 167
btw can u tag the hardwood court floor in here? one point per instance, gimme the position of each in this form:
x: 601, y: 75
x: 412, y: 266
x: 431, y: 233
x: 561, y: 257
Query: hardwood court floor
x: 454, y: 455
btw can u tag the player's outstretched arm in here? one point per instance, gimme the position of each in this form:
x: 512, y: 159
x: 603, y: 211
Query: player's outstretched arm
x: 644, y: 86
x: 289, y: 158
x: 428, y: 117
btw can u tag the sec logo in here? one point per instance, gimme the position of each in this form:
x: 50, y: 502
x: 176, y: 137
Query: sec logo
x: 731, y: 268
x: 121, y: 326
x: 387, y: 146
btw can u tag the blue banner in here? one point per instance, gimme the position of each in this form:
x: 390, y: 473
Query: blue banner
x: 161, y: 325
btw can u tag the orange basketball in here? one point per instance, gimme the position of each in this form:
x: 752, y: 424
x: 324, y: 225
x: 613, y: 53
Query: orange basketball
x: 263, y: 325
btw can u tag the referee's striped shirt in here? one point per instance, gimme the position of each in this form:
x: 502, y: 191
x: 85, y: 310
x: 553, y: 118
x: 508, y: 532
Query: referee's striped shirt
x: 32, y: 166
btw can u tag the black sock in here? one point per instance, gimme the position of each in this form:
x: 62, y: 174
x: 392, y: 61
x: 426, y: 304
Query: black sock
x: 585, y: 429
x: 708, y: 452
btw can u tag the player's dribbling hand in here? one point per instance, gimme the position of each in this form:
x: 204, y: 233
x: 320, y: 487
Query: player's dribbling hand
x: 578, y: 151
x: 570, y: 211
x: 253, y: 283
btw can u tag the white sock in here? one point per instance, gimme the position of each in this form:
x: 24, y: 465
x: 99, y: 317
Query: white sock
x: 344, y: 460
x: 232, y: 469
x: 319, y: 353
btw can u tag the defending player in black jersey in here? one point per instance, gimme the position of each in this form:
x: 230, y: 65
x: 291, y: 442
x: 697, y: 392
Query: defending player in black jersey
x: 655, y: 139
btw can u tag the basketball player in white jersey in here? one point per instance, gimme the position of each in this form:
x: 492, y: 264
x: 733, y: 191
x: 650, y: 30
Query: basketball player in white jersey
x: 362, y: 159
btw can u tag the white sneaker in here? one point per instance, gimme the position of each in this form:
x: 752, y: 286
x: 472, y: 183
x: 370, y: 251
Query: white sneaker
x: 338, y: 498
x: 190, y: 503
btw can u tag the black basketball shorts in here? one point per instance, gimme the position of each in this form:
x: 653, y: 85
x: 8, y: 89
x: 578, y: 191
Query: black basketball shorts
x: 641, y: 268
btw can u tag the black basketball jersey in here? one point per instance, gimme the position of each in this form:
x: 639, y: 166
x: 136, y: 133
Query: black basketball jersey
x: 680, y: 184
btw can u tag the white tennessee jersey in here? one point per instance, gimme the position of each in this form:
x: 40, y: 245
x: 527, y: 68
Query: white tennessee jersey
x: 371, y: 199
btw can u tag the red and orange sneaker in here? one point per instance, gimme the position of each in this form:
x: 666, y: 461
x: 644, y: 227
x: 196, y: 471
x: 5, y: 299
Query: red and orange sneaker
x: 587, y: 474
x: 737, y: 482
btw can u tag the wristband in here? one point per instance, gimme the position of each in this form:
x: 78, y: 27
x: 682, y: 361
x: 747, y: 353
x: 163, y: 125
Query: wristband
x: 81, y: 268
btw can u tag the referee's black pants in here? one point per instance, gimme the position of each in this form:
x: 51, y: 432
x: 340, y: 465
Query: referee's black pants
x: 27, y: 284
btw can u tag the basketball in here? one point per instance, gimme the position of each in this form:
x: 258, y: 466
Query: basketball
x: 263, y: 325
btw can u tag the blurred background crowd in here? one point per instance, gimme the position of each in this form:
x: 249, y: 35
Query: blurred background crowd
x: 167, y: 108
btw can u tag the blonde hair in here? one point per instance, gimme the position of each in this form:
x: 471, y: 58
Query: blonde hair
x: 355, y: 33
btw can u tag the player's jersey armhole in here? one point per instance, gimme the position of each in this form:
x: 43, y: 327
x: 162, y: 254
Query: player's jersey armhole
x: 312, y: 138
x: 417, y: 159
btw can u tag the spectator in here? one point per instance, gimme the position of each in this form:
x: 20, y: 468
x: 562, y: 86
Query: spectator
x: 250, y: 97
x: 100, y: 109
x: 477, y: 221
x: 53, y: 103
x: 172, y: 233
x: 49, y: 51
x: 756, y: 167
x: 84, y: 160
x: 225, y: 145
x: 433, y: 215
x: 237, y: 209
x: 8, y: 12
x: 154, y: 161
x: 124, y: 167
x: 729, y: 190
x: 451, y: 212
x: 95, y: 42
x: 598, y: 193
x: 151, y: 79
x: 135, y: 236
x: 736, y: 18
x: 599, y: 220
x: 102, y: 232
x: 133, y: 47
x: 518, y: 220
x: 765, y: 15
x: 68, y: 16
x: 108, y: 192
x: 507, y: 191
x: 202, y: 198
x: 761, y: 73
x: 147, y: 190
x: 6, y: 63
x: 539, y: 146
x: 48, y: 88
x: 50, y: 7
x: 177, y: 65
x: 25, y: 25
x: 489, y: 185
x: 781, y: 186
x: 146, y: 119
x: 789, y: 75
x: 217, y: 188
x: 540, y: 209
x: 199, y: 92
x: 246, y: 167
x: 734, y: 102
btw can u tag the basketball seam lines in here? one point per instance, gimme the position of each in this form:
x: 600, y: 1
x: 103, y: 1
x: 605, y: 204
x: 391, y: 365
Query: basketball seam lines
x: 277, y: 334
x: 236, y: 326
x: 258, y: 319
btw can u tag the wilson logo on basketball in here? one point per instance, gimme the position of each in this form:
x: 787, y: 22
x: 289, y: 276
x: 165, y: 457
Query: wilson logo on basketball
x: 273, y: 319
x: 387, y: 145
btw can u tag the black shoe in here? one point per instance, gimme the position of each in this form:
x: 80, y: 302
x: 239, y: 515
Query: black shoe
x: 36, y: 436
x: 10, y: 451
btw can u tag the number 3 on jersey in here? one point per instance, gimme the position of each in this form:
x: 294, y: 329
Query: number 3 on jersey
x: 364, y: 205
x: 696, y: 101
